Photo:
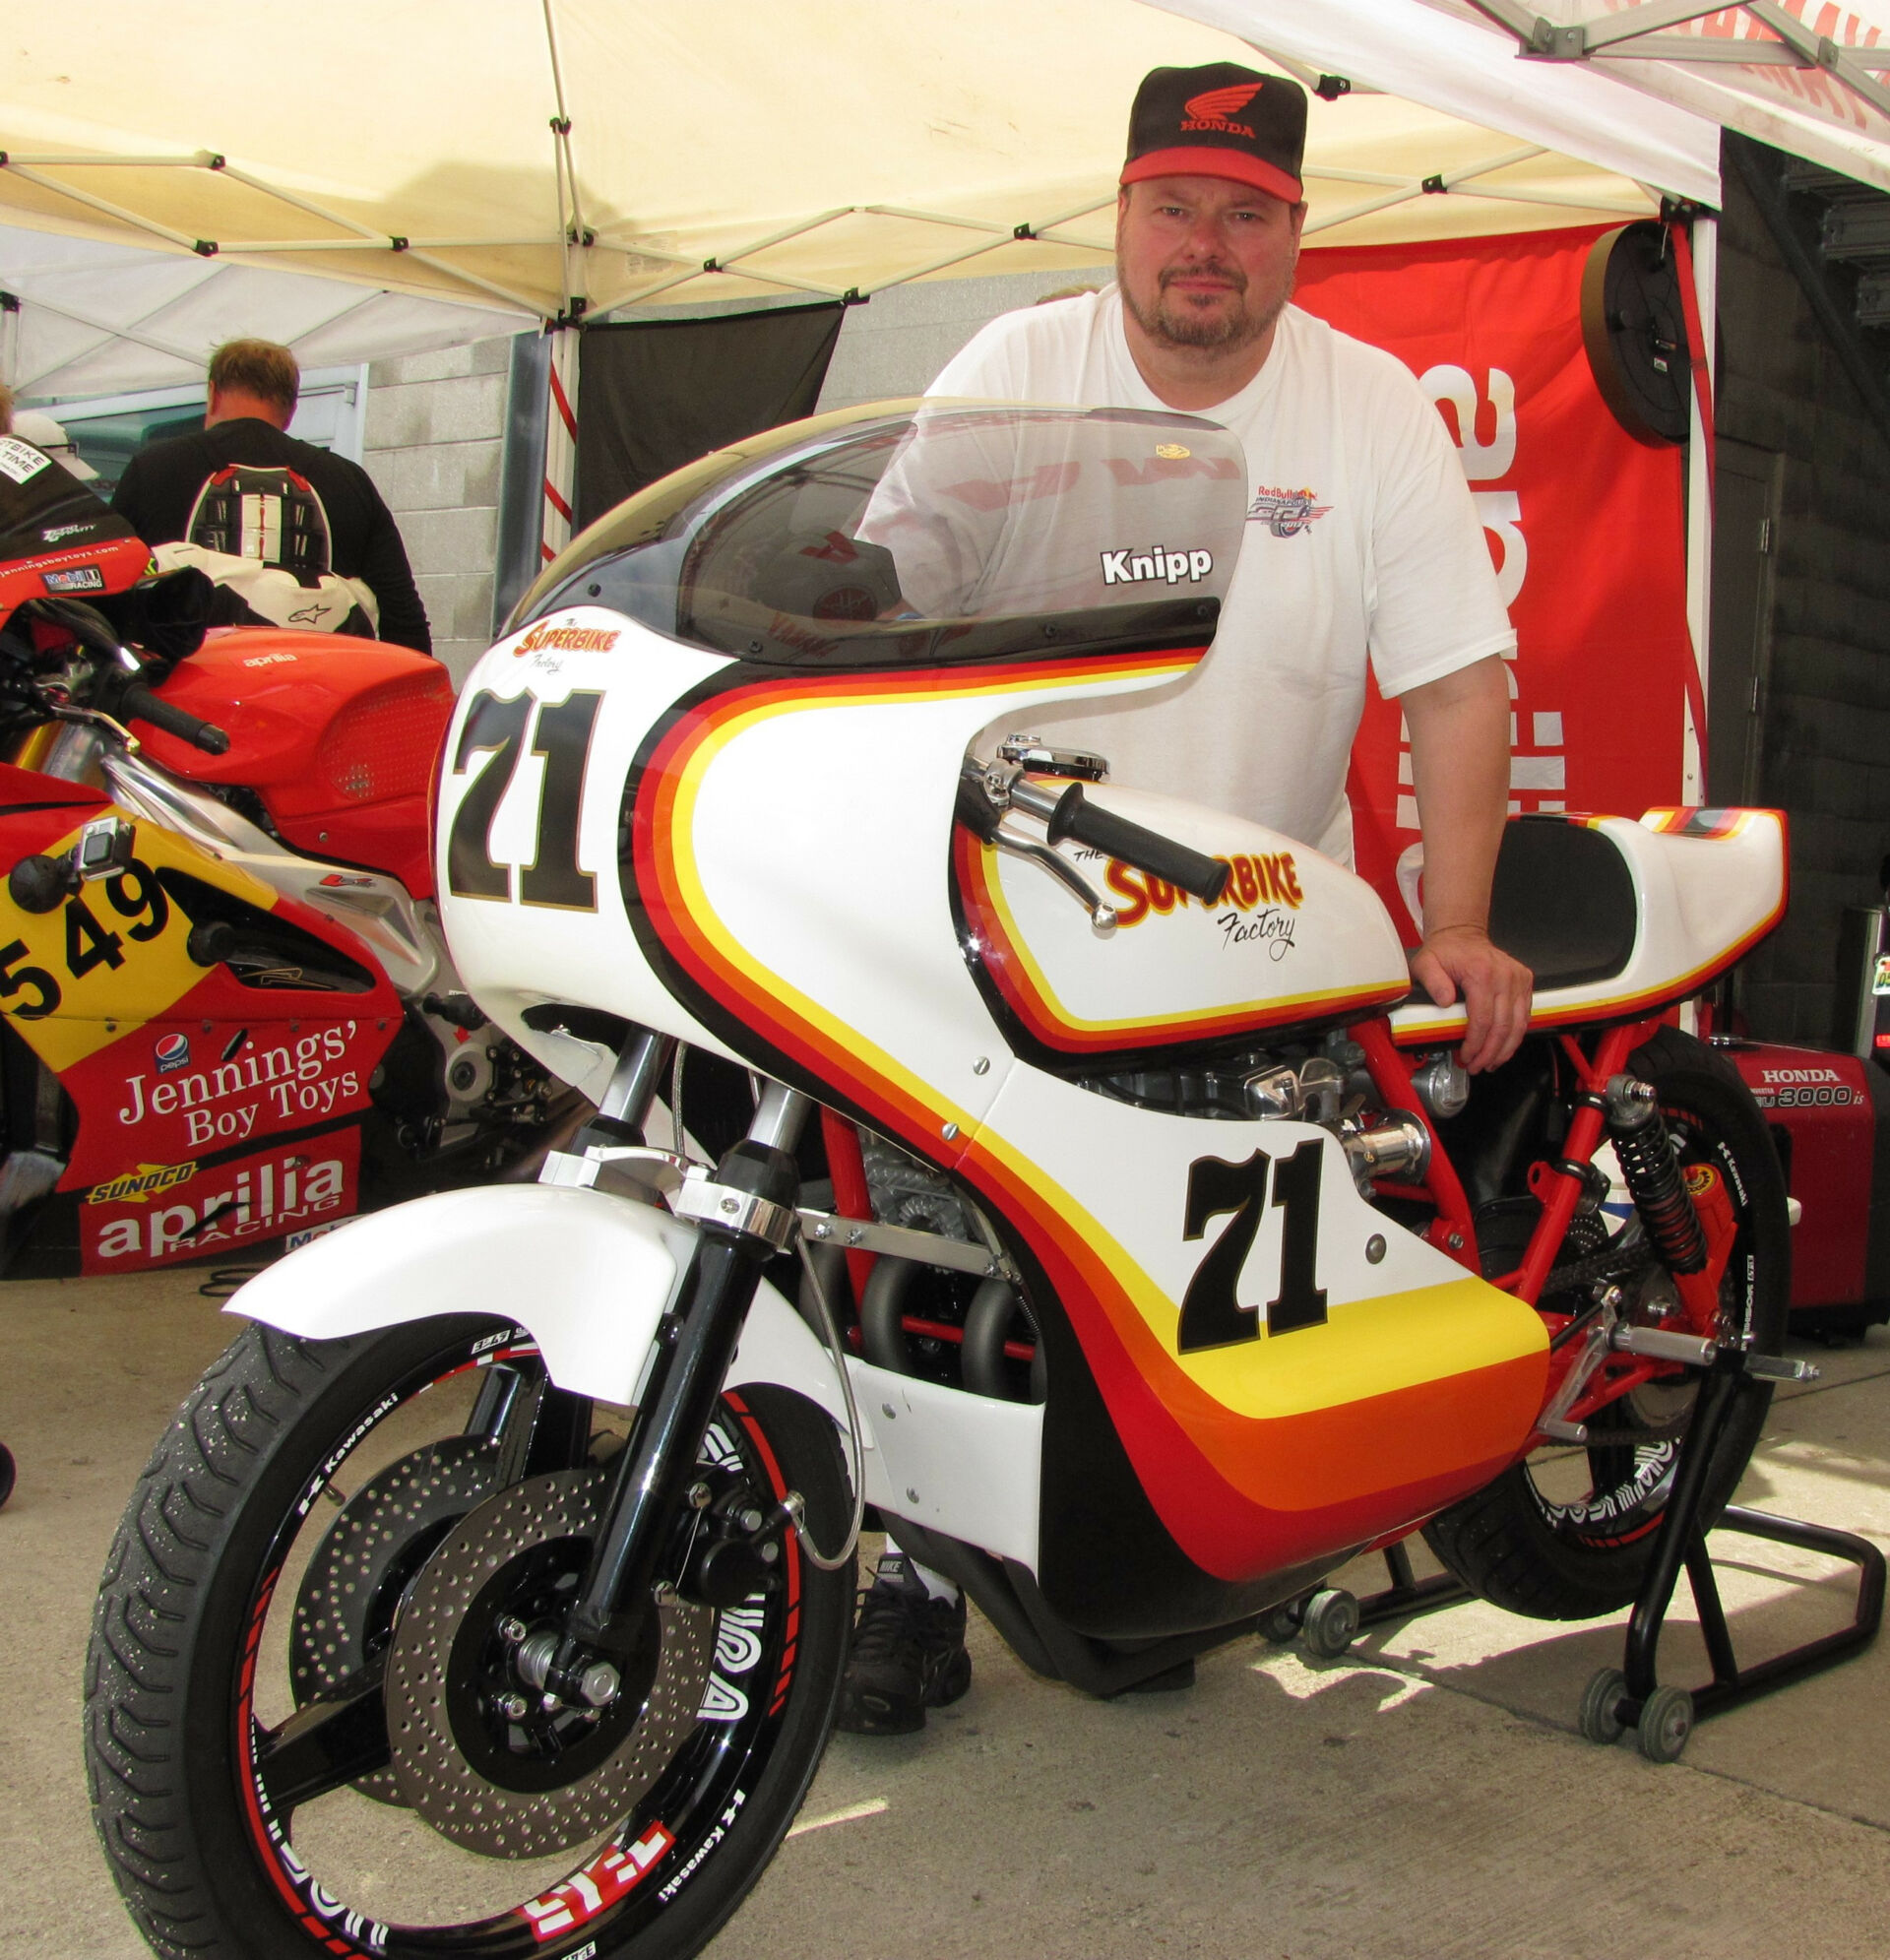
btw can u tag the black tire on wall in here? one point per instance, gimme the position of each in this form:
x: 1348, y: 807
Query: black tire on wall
x: 1551, y: 1554
x: 192, y: 1635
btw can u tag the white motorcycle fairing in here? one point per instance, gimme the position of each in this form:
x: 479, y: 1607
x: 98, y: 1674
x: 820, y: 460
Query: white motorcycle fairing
x: 590, y: 1276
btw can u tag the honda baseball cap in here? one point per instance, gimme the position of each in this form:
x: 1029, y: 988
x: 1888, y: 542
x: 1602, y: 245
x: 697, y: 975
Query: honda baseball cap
x: 1221, y: 120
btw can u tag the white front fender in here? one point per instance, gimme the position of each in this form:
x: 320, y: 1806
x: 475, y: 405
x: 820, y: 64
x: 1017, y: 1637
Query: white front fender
x: 589, y: 1275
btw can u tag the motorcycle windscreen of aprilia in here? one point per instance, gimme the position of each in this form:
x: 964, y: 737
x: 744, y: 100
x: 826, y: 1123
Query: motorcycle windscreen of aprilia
x: 707, y: 785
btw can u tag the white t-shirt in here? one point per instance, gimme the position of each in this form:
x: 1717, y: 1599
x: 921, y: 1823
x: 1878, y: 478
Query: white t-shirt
x: 1361, y: 538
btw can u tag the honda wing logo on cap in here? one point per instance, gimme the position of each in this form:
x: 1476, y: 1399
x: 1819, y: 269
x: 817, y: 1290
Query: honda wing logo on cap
x: 1216, y: 108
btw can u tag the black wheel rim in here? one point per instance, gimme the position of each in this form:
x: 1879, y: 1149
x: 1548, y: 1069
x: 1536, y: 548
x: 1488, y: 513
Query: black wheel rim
x: 603, y: 1892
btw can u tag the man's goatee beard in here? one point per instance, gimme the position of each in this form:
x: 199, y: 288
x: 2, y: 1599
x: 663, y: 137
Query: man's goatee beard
x: 1238, y: 328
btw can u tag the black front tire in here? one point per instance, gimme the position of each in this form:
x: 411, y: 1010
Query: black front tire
x: 1559, y: 1557
x: 191, y: 1639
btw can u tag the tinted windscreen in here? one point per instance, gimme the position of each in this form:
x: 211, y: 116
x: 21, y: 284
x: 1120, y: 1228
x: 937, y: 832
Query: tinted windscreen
x: 46, y: 509
x: 946, y: 532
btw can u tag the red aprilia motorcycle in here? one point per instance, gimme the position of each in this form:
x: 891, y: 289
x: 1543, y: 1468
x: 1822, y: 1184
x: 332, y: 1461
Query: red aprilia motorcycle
x: 227, y: 1016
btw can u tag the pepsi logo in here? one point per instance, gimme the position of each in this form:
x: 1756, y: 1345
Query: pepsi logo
x: 172, y: 1053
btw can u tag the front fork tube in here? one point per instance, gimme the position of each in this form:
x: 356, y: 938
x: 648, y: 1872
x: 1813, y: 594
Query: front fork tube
x: 694, y: 1345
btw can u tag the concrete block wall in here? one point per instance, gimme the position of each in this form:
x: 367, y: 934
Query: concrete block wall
x: 898, y: 339
x: 435, y: 430
x: 1826, y: 755
x: 436, y: 427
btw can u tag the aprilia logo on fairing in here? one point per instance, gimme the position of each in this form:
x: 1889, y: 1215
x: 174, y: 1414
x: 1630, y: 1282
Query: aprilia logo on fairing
x: 259, y: 1201
x: 1130, y: 567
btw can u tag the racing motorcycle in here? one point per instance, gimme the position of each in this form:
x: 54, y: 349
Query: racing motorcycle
x: 227, y: 1018
x: 1104, y: 1216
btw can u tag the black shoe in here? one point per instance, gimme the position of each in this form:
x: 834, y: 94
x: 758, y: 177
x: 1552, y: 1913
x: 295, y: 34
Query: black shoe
x: 908, y: 1655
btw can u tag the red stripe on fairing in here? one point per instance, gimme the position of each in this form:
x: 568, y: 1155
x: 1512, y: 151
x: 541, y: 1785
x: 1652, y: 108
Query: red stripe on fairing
x: 1039, y: 1014
x: 1159, y: 1410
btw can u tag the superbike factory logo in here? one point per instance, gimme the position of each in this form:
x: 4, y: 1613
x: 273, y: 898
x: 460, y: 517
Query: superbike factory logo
x: 1259, y: 904
x: 546, y: 638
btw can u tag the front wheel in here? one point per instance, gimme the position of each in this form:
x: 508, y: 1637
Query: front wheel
x: 1568, y: 1534
x: 354, y: 1521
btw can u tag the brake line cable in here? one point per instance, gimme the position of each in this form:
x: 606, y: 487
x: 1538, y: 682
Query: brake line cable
x: 794, y: 1503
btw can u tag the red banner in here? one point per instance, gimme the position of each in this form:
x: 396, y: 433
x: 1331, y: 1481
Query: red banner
x: 1586, y: 526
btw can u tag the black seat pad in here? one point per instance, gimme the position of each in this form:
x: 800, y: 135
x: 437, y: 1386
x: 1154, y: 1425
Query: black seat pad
x: 1564, y: 902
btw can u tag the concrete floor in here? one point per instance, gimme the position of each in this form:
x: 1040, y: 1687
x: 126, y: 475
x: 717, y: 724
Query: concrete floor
x: 1426, y: 1797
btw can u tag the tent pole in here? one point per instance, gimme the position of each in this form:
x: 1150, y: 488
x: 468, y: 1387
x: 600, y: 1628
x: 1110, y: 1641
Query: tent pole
x: 1699, y: 506
x: 559, y: 501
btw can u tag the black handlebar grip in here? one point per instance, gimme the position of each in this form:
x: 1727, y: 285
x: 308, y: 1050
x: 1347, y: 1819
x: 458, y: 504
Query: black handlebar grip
x: 138, y: 703
x: 1201, y: 876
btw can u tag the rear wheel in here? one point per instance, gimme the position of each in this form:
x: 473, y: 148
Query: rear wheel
x: 327, y: 1519
x: 1568, y: 1534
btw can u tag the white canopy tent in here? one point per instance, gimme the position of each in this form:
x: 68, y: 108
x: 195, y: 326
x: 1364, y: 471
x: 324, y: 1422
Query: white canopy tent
x: 470, y: 169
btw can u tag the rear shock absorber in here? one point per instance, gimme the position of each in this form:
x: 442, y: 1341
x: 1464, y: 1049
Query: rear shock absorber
x: 1651, y: 1169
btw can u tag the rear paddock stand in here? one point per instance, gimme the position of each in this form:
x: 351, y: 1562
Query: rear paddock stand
x: 1631, y: 1696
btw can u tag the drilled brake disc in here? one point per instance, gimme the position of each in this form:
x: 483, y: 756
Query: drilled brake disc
x: 525, y: 1787
x: 345, y: 1604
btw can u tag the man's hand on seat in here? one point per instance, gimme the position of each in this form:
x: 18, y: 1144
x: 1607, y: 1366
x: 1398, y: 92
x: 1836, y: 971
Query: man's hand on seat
x: 1459, y: 960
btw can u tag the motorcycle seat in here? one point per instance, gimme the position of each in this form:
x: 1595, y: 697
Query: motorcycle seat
x: 1615, y: 917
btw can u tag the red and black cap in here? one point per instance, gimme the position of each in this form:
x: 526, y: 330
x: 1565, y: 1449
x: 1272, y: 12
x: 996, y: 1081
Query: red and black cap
x: 1221, y: 120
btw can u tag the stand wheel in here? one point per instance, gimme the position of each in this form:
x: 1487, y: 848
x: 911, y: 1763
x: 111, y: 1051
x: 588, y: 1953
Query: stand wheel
x: 1666, y: 1721
x: 5, y: 1473
x: 1329, y: 1623
x: 1599, y: 1718
x: 1279, y: 1625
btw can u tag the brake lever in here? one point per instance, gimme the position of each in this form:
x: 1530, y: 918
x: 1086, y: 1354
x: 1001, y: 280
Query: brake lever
x: 1102, y: 913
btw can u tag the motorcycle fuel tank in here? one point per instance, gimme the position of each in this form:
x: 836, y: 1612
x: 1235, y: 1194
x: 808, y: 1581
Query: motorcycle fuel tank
x: 1294, y: 938
x: 340, y: 737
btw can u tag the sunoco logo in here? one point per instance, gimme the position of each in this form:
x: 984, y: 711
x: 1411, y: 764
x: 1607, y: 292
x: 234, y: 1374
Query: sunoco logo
x: 133, y: 1187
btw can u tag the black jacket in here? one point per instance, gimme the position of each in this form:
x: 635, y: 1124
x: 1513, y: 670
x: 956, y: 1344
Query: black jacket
x: 159, y: 487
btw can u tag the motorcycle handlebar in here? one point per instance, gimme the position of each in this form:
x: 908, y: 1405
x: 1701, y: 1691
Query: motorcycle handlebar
x: 1197, y: 874
x: 136, y: 702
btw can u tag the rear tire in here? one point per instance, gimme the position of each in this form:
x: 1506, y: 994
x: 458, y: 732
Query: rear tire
x: 1552, y: 1555
x: 191, y: 1657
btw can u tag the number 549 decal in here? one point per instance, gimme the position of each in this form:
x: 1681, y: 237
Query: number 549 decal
x: 563, y: 738
x: 1211, y: 1315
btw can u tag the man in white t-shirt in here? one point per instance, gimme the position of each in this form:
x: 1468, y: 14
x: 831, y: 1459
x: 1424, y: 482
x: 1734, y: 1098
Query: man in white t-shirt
x: 1362, y: 543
